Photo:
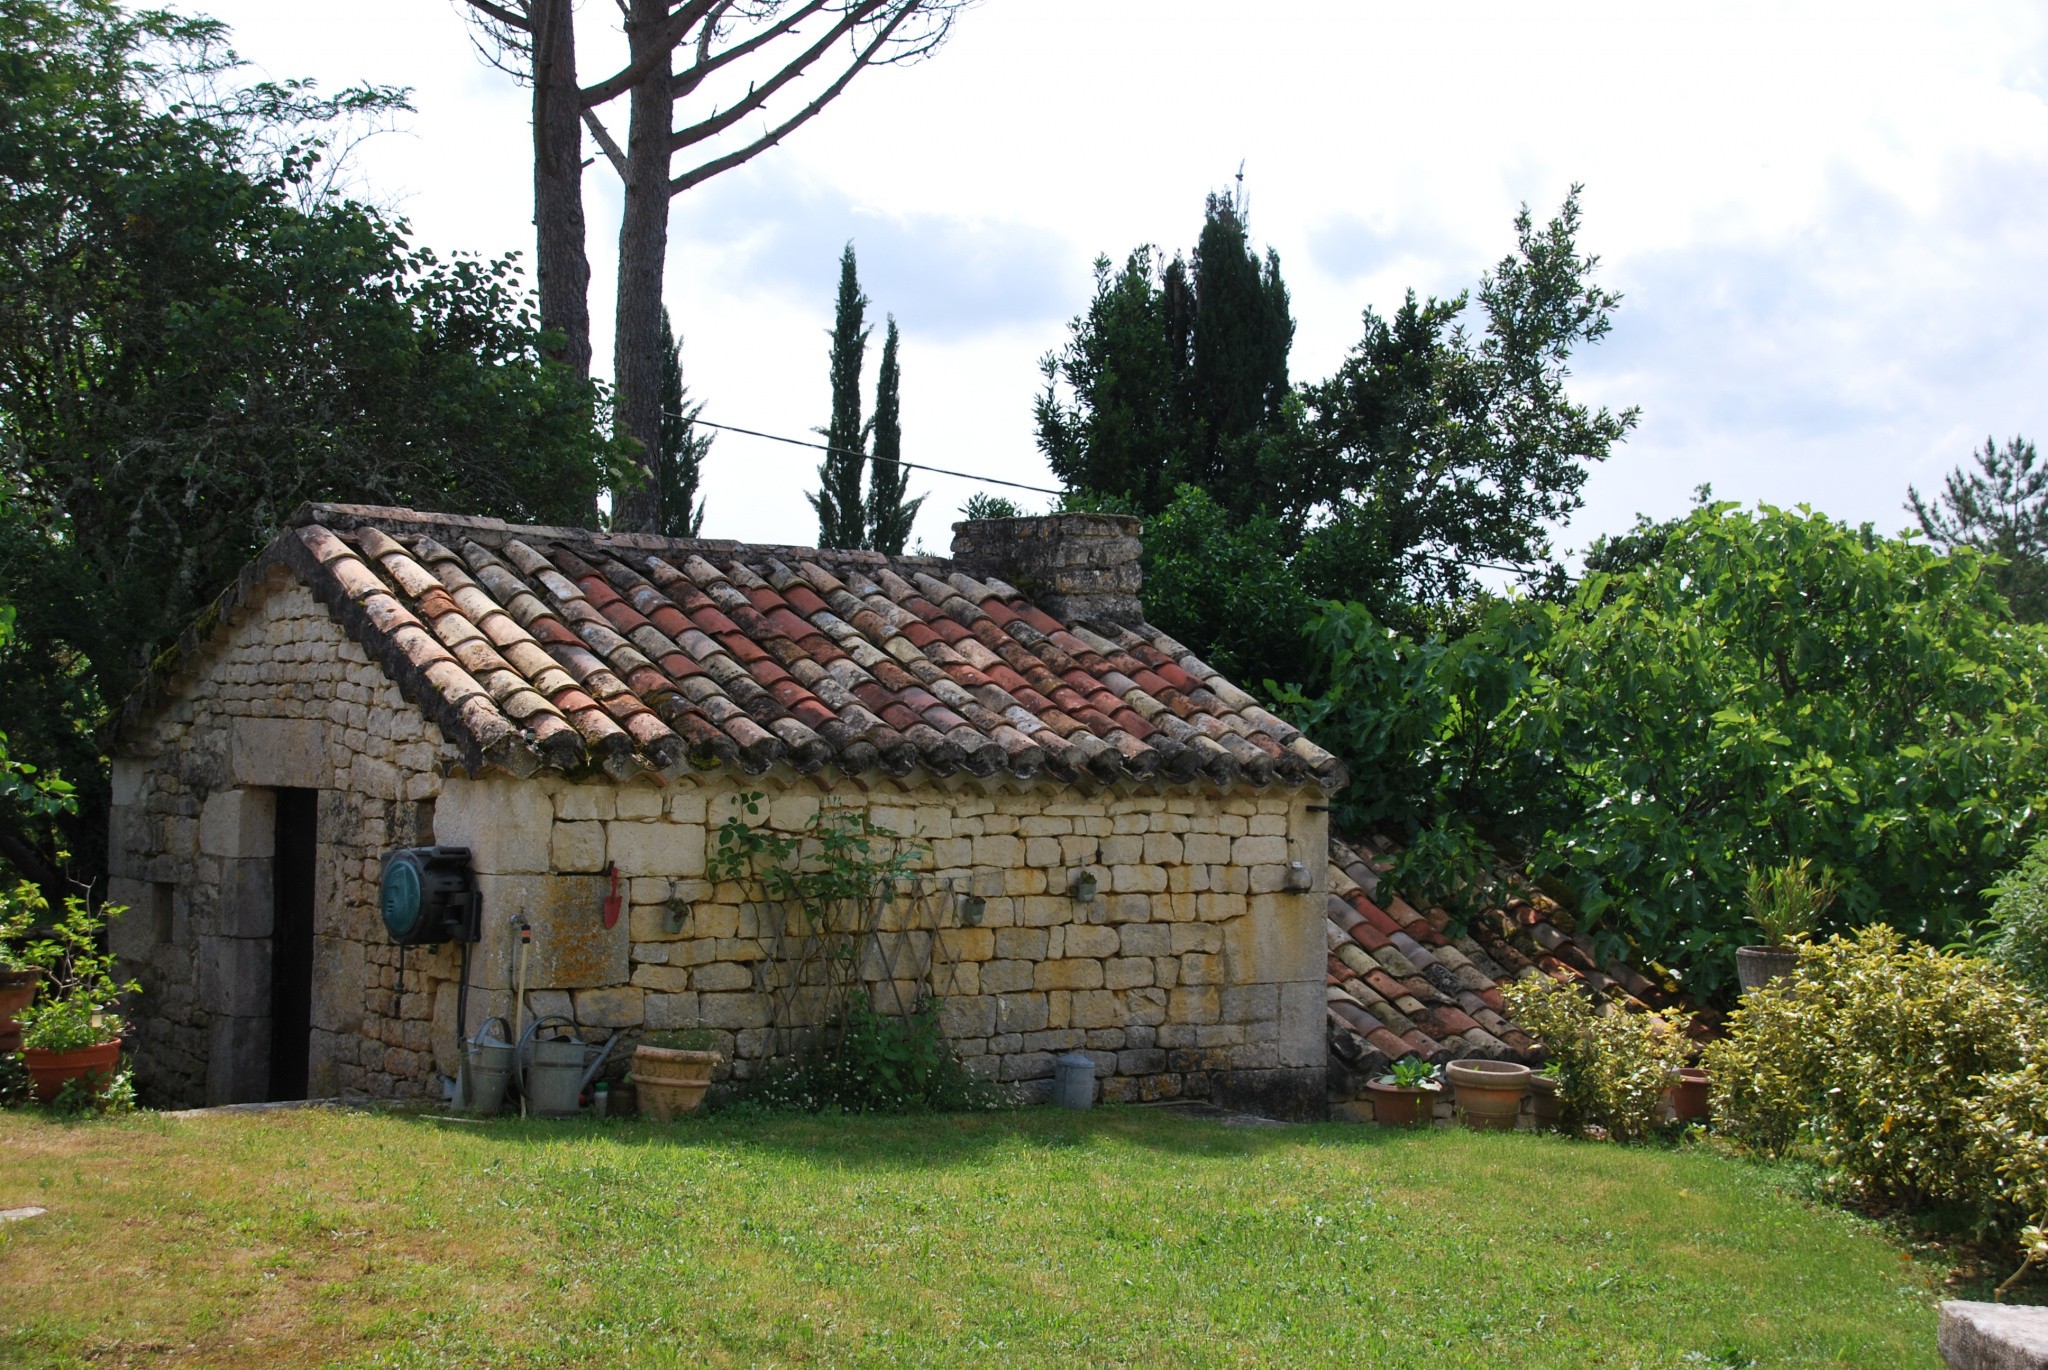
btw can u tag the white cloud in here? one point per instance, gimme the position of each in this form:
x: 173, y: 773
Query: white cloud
x: 1824, y: 216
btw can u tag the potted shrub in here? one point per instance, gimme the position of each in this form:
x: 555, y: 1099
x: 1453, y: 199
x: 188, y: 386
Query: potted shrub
x: 671, y: 1071
x: 18, y: 976
x: 1688, y: 1094
x: 1785, y: 903
x: 1489, y: 1093
x: 1406, y: 1094
x: 72, y: 1035
x: 1544, y: 1105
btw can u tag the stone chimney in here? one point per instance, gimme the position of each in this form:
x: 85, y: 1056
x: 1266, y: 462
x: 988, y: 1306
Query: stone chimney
x: 1074, y: 566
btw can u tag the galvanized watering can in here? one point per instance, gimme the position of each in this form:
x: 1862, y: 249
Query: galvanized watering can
x: 555, y: 1071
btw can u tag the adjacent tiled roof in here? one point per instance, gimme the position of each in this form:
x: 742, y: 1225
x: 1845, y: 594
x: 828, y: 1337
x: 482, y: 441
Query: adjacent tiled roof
x: 565, y: 648
x: 1402, y: 982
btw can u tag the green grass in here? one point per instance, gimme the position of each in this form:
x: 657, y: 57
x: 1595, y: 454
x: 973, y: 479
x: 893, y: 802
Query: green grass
x: 1121, y: 1237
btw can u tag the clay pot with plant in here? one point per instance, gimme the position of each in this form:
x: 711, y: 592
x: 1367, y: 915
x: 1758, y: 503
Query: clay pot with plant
x: 72, y: 1034
x: 1785, y: 902
x: 671, y: 1071
x: 1545, y: 1107
x: 1406, y: 1095
x: 1689, y: 1095
x: 18, y: 976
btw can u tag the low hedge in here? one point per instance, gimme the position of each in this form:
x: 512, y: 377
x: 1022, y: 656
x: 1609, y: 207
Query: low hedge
x: 1917, y: 1078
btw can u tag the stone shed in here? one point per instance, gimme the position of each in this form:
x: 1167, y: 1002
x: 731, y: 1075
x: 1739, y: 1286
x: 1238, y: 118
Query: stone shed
x: 1121, y: 852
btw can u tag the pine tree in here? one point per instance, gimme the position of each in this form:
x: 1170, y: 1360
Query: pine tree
x: 889, y: 516
x: 2000, y: 508
x: 679, y: 513
x: 842, y: 514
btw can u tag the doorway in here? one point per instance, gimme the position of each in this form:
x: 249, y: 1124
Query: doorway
x: 291, y: 942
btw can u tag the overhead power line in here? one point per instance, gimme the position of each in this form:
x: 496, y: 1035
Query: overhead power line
x: 844, y: 452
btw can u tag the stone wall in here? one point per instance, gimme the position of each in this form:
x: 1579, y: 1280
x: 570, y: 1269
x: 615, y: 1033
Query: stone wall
x: 284, y: 700
x: 1196, y: 970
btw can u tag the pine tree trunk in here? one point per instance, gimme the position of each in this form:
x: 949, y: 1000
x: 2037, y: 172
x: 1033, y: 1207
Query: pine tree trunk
x: 643, y: 253
x: 562, y: 269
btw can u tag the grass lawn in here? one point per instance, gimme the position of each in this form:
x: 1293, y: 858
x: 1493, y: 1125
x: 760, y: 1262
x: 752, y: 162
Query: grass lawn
x: 1120, y: 1237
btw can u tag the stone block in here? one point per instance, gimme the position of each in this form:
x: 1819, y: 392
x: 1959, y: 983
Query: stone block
x: 1067, y: 974
x: 669, y: 1012
x: 733, y: 1011
x: 967, y: 944
x: 1163, y: 849
x: 238, y: 823
x: 1127, y: 972
x: 1142, y: 1061
x: 548, y: 1003
x: 1021, y: 944
x: 248, y: 900
x: 1092, y: 940
x: 579, y: 803
x: 578, y: 847
x: 1026, y: 1065
x: 1138, y: 879
x: 1197, y: 968
x: 1992, y: 1336
x: 282, y: 753
x: 1245, y: 1003
x: 144, y: 922
x: 572, y: 948
x: 1124, y: 850
x: 1144, y: 1008
x: 660, y: 978
x: 1005, y: 977
x: 1258, y: 851
x: 507, y: 824
x: 1145, y: 939
x: 998, y: 852
x: 1195, y: 1004
x: 637, y: 801
x: 722, y: 977
x: 1206, y: 848
x: 1021, y: 1013
x: 964, y: 1017
x: 1301, y: 1040
x: 1127, y: 908
x: 656, y: 848
x: 234, y: 976
x: 1095, y: 1008
x: 619, y: 1006
x: 340, y: 977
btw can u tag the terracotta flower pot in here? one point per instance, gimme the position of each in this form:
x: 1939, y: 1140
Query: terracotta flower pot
x: 17, y: 992
x: 670, y: 1083
x: 1489, y: 1092
x: 1689, y: 1096
x: 1393, y: 1106
x: 52, y: 1070
x: 1756, y: 967
x: 1544, y: 1105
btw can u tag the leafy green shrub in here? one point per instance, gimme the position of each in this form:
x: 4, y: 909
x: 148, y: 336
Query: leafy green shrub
x: 76, y: 1005
x: 1612, y: 1067
x: 875, y: 1063
x: 2019, y: 919
x: 1874, y: 1053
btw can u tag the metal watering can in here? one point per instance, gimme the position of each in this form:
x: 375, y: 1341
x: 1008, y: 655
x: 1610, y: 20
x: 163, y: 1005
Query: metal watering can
x: 487, y: 1065
x: 555, y: 1071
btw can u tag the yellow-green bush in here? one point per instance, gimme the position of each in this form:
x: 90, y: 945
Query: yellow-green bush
x: 1612, y: 1067
x: 1904, y: 1070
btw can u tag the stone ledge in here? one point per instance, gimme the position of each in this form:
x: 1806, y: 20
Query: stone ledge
x: 1993, y: 1336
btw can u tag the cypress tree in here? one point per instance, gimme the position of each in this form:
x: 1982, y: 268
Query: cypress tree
x: 1178, y: 374
x: 889, y: 516
x: 841, y: 511
x: 679, y: 513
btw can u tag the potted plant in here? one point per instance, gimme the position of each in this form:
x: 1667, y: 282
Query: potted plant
x: 72, y: 1034
x: 1489, y: 1093
x: 1401, y: 1096
x: 671, y: 1071
x: 1544, y: 1105
x: 18, y: 975
x: 1785, y: 903
x: 1688, y: 1095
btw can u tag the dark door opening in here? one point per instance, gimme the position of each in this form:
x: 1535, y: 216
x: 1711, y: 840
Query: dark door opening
x: 291, y: 942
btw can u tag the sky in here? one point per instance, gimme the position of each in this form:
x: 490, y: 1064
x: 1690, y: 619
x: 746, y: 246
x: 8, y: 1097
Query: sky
x: 1825, y: 220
